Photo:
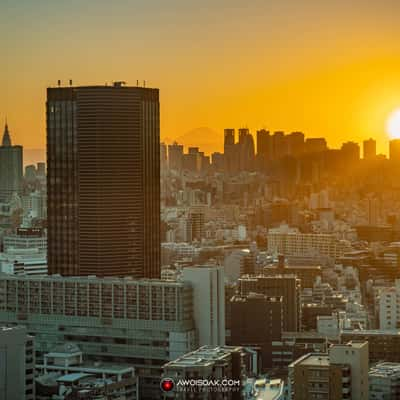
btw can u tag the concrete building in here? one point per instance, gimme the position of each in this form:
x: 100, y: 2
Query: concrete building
x: 26, y: 238
x: 208, y: 362
x: 103, y: 181
x: 384, y: 381
x: 67, y: 359
x: 256, y: 321
x: 341, y: 374
x: 355, y: 355
x: 17, y: 363
x: 23, y: 261
x: 389, y: 307
x: 286, y: 286
x: 208, y: 302
x: 143, y: 323
x: 383, y: 344
x: 11, y: 169
x: 291, y: 242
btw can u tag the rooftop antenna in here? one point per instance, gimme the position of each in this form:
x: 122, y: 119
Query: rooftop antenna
x: 59, y: 83
x: 70, y: 82
x: 137, y: 82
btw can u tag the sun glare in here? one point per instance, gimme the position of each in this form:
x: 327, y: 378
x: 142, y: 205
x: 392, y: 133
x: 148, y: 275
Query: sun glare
x: 393, y: 125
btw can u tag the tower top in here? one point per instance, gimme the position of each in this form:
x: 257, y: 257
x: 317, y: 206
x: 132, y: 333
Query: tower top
x: 6, y: 136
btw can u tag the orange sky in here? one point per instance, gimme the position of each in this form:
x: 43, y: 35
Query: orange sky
x: 329, y: 70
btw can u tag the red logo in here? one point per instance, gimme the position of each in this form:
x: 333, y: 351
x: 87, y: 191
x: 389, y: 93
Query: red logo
x: 167, y: 384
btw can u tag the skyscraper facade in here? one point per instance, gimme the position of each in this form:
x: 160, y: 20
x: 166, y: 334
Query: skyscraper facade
x: 394, y: 150
x: 103, y: 181
x: 10, y: 167
x: 369, y: 147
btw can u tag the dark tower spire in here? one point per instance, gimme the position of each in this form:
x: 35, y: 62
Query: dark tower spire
x: 6, y: 137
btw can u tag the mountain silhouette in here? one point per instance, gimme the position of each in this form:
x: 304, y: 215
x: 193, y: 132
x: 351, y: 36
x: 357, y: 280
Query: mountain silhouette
x: 206, y: 139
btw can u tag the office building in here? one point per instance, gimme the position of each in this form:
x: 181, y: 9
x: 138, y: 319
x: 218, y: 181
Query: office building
x: 286, y: 286
x: 256, y: 322
x: 230, y: 151
x: 394, y: 150
x: 24, y: 261
x: 26, y: 238
x: 17, y: 363
x: 208, y: 362
x: 340, y: 374
x: 369, y: 149
x: 175, y: 156
x: 142, y: 323
x: 292, y: 243
x: 11, y: 170
x: 208, y: 302
x: 103, y: 181
x: 315, y: 145
x: 350, y: 153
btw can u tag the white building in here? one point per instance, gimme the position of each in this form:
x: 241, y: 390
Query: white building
x: 26, y: 238
x: 389, y: 307
x: 208, y: 302
x: 24, y: 261
x: 384, y: 381
x: 291, y: 242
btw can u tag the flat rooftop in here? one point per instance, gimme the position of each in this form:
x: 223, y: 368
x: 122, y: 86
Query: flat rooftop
x: 202, y: 357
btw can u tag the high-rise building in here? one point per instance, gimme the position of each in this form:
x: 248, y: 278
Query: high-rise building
x: 315, y: 145
x: 175, y: 156
x: 229, y: 138
x: 208, y: 302
x: 369, y: 149
x: 230, y: 151
x: 350, y: 152
x: 11, y: 169
x: 394, y: 150
x: 285, y: 286
x: 163, y: 156
x: 341, y: 374
x: 279, y: 144
x: 263, y: 143
x: 103, y: 181
x: 246, y: 151
x: 17, y: 363
x: 256, y: 321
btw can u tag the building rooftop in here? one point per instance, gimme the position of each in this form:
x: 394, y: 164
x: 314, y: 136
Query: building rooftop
x: 312, y: 359
x: 204, y: 356
x: 385, y: 370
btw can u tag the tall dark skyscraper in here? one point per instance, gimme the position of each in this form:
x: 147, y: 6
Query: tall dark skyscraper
x: 10, y: 167
x: 369, y: 147
x: 103, y: 155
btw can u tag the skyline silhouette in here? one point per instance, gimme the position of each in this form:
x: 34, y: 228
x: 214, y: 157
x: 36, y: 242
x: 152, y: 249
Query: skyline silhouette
x: 325, y: 69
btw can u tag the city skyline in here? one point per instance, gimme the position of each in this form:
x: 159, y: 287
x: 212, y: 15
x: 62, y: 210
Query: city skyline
x: 326, y: 70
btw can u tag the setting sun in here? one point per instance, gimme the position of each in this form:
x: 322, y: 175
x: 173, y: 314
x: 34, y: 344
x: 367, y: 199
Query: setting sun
x: 393, y: 124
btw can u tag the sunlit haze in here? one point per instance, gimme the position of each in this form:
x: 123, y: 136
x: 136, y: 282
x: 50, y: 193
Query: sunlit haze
x: 393, y: 124
x: 324, y: 68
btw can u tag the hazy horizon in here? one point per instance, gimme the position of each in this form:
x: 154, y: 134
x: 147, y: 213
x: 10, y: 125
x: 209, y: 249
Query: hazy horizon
x: 326, y: 69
